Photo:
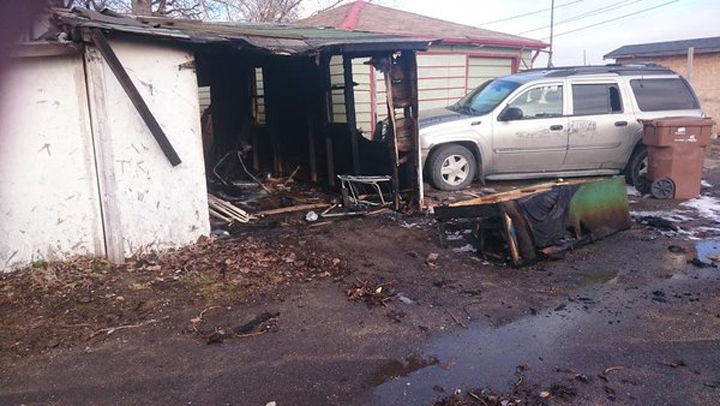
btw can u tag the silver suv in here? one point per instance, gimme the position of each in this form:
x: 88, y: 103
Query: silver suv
x: 560, y: 122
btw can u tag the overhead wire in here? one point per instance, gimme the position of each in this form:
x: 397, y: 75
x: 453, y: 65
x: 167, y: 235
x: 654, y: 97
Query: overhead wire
x: 592, y: 13
x: 532, y: 12
x: 614, y: 19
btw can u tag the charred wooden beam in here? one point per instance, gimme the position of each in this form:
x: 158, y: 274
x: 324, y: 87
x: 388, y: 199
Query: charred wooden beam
x: 350, y: 112
x: 98, y: 39
x: 325, y: 118
x: 311, y: 137
x: 412, y: 118
x: 43, y: 49
x: 393, y: 150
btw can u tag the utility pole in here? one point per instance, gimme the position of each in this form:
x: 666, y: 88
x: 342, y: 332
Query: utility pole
x: 584, y: 57
x: 552, y: 27
x: 689, y: 68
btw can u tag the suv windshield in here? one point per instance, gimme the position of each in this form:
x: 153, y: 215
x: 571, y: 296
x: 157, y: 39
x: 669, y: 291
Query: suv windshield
x: 485, y: 97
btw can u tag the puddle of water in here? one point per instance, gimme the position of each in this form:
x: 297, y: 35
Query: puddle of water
x: 708, y: 251
x: 397, y: 368
x: 484, y: 356
x: 488, y: 356
x: 599, y: 277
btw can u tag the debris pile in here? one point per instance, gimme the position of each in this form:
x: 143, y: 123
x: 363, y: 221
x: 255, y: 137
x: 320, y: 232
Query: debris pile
x: 259, y: 325
x: 543, y: 221
x: 371, y: 294
x: 238, y: 195
x: 657, y: 222
x: 241, y: 196
x: 486, y: 397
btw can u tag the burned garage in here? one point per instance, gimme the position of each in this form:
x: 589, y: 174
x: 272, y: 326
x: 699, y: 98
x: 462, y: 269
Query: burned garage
x: 136, y: 101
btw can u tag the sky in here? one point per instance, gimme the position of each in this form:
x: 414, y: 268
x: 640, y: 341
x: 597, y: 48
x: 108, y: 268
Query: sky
x: 681, y: 19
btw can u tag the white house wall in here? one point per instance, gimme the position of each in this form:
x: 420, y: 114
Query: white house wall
x: 204, y: 98
x: 49, y: 201
x: 150, y: 204
x: 362, y: 75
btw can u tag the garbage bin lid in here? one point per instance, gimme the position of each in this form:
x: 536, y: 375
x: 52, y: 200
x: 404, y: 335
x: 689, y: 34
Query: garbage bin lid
x: 683, y: 121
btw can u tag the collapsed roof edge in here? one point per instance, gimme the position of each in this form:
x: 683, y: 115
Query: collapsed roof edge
x: 273, y: 38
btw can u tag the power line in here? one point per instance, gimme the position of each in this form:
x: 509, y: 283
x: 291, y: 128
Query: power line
x: 601, y: 10
x: 531, y: 13
x: 614, y: 19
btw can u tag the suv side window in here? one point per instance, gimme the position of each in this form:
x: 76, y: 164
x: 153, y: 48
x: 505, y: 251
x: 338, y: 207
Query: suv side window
x: 663, y: 94
x: 540, y: 102
x: 596, y: 99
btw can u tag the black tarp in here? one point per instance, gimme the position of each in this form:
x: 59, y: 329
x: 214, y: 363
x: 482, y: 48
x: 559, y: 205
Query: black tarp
x: 547, y: 214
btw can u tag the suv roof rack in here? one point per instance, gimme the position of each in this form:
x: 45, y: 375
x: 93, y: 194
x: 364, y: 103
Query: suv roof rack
x: 645, y: 68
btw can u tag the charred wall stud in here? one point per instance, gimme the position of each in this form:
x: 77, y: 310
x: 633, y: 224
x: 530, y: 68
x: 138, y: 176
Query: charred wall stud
x: 402, y: 103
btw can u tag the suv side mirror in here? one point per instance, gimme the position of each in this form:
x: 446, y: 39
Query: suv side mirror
x: 511, y: 114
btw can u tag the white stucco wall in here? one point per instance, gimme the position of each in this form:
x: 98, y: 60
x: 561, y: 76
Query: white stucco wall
x: 49, y: 206
x: 149, y: 204
x: 80, y: 173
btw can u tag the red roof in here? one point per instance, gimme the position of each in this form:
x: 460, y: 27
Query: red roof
x: 363, y: 16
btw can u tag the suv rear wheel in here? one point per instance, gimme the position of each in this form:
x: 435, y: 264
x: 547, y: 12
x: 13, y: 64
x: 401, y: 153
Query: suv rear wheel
x: 452, y: 167
x: 637, y: 165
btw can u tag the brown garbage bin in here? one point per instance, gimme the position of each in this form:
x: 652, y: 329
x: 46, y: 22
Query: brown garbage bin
x: 676, y: 151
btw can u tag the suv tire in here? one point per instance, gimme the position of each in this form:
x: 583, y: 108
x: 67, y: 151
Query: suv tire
x: 637, y: 165
x: 452, y: 167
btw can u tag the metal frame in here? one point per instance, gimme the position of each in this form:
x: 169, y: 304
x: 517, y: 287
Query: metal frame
x: 349, y: 183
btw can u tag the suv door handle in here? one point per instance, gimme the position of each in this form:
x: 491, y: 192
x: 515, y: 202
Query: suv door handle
x: 621, y: 124
x: 476, y: 123
x: 556, y: 127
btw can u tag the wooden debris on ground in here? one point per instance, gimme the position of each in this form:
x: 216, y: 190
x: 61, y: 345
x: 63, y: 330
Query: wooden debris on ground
x: 111, y: 330
x: 226, y: 211
x: 292, y: 209
x: 371, y: 294
x: 259, y: 325
x: 456, y: 320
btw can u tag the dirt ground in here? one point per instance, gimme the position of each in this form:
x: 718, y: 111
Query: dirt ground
x: 358, y: 312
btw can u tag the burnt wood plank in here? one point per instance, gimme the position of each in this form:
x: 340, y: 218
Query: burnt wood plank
x: 98, y: 39
x: 325, y: 118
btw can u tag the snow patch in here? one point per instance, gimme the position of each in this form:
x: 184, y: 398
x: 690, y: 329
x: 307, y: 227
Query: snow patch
x: 708, y: 230
x: 465, y: 248
x: 706, y: 206
x: 454, y: 237
x: 704, y: 183
x: 631, y: 191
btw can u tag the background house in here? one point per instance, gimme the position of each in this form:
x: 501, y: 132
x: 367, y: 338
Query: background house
x: 698, y: 60
x: 464, y: 58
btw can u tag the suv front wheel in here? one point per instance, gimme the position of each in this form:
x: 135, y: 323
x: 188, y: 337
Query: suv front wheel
x: 452, y: 167
x: 637, y: 165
